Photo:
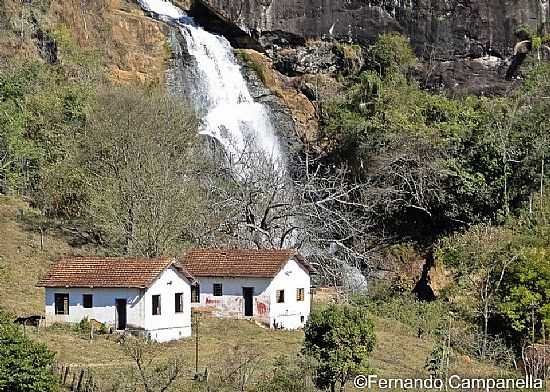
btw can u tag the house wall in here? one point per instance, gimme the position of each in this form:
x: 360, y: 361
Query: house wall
x: 231, y: 303
x: 287, y: 315
x: 169, y: 325
x: 291, y: 314
x: 103, y: 310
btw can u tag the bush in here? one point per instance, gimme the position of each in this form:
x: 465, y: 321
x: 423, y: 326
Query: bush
x: 340, y: 338
x: 392, y: 53
x: 424, y: 318
x: 24, y: 364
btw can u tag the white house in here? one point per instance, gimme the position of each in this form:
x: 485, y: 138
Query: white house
x: 151, y: 296
x: 271, y: 286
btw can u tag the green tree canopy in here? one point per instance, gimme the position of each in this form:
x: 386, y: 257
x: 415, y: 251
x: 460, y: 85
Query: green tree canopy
x: 340, y: 338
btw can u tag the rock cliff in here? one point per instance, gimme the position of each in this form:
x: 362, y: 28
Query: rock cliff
x: 131, y: 45
x: 465, y: 44
x: 451, y: 27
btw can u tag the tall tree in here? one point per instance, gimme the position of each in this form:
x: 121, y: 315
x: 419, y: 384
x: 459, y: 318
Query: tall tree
x: 137, y: 152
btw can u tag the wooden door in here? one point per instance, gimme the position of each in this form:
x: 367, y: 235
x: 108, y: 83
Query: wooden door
x: 248, y: 295
x: 121, y: 314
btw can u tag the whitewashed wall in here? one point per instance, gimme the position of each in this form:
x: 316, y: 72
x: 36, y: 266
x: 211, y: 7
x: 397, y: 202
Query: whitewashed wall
x: 265, y: 309
x: 103, y: 310
x: 288, y: 315
x: 169, y: 325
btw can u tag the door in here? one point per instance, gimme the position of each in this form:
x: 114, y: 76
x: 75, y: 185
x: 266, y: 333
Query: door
x: 121, y: 314
x: 248, y: 294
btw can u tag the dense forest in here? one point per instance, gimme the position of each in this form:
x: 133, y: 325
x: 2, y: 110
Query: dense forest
x: 398, y: 172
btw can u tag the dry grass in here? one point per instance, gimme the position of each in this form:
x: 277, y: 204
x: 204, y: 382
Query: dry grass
x: 22, y: 262
x: 398, y: 353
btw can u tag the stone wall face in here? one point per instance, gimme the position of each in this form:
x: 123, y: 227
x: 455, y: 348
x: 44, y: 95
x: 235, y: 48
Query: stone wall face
x: 452, y: 27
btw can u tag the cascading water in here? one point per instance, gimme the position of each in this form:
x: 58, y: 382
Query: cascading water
x: 221, y: 96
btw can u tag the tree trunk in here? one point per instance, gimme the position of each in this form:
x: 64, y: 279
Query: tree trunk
x: 485, y: 329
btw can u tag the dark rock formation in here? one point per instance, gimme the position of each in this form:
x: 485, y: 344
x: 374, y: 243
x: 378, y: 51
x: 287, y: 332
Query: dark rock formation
x: 279, y: 113
x: 454, y: 28
x: 447, y: 34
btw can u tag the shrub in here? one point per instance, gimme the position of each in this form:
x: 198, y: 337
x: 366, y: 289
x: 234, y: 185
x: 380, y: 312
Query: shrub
x: 392, y: 53
x: 24, y: 364
x: 288, y: 375
x: 340, y: 338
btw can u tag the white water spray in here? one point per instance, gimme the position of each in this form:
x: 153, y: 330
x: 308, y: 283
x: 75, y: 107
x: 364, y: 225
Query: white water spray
x: 229, y: 113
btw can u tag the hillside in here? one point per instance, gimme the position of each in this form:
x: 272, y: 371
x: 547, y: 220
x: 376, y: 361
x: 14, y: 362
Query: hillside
x: 398, y: 352
x: 23, y: 260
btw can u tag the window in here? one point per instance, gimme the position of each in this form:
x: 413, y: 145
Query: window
x: 195, y: 293
x: 156, y: 305
x: 299, y: 295
x: 61, y: 303
x: 88, y: 301
x: 302, y: 319
x: 179, y: 302
x: 280, y: 296
x: 217, y: 289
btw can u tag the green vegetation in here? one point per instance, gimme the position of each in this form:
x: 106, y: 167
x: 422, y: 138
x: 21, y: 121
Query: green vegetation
x: 504, y: 274
x: 462, y: 180
x: 435, y: 164
x: 24, y: 364
x: 340, y: 338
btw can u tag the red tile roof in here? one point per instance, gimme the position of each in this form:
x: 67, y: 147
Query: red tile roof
x: 107, y: 272
x: 265, y: 263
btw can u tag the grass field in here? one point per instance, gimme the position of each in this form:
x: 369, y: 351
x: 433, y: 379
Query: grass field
x: 399, y: 351
x: 224, y: 342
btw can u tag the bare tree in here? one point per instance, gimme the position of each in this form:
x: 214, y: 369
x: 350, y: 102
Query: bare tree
x: 481, y: 258
x: 138, y: 154
x: 152, y: 373
x: 315, y: 209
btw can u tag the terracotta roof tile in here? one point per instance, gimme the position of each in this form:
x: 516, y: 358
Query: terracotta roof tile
x: 265, y: 263
x: 106, y: 272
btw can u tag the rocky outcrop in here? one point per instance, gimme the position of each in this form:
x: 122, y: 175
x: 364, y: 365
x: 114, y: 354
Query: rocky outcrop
x: 453, y: 28
x: 283, y: 96
x: 466, y: 45
x: 134, y: 45
x: 131, y: 45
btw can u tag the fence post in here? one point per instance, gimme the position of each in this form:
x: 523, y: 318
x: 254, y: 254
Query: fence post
x: 80, y: 377
x: 65, y: 374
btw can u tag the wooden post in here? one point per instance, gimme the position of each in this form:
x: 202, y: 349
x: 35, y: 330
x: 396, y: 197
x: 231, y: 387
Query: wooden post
x: 197, y: 319
x: 65, y: 375
x: 80, y: 378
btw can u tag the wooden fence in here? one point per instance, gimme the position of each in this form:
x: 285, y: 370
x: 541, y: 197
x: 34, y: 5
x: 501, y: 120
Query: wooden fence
x: 76, y: 379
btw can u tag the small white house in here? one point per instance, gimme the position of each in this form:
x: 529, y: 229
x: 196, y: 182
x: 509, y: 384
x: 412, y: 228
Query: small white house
x: 270, y: 286
x: 151, y: 296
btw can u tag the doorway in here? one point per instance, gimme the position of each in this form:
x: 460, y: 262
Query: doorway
x: 248, y: 295
x: 121, y: 314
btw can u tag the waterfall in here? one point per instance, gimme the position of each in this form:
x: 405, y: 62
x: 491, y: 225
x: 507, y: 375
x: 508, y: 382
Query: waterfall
x: 221, y: 96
